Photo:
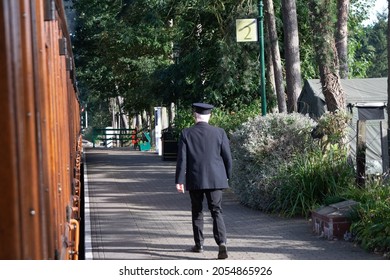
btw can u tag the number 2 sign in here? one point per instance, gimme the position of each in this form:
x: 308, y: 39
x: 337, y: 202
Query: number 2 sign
x: 246, y: 30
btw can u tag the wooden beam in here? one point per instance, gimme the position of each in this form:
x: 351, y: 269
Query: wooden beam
x: 385, y: 146
x: 361, y: 147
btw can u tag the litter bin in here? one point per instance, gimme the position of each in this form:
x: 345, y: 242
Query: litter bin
x: 169, y: 145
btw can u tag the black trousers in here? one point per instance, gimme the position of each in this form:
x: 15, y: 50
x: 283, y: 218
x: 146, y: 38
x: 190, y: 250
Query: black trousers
x: 214, y: 201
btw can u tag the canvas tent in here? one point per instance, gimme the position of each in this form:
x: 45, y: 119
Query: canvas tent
x: 366, y: 99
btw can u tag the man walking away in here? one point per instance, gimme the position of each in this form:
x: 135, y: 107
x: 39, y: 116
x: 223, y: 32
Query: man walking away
x: 203, y: 167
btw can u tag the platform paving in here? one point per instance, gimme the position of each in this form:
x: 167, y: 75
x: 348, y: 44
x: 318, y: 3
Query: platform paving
x: 133, y: 212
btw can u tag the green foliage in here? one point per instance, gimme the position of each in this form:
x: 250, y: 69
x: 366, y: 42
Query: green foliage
x: 212, y: 66
x: 184, y: 118
x: 279, y: 167
x: 124, y: 48
x: 309, y: 67
x: 260, y: 147
x: 358, y: 61
x: 376, y: 37
x: 318, y: 176
x: 228, y: 120
x: 371, y: 218
x: 119, y: 46
x: 362, y: 48
x: 367, y: 44
x: 334, y: 126
x: 310, y: 180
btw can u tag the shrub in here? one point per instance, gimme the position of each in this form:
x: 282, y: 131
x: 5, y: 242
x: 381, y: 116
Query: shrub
x: 280, y: 167
x: 227, y: 119
x: 311, y: 180
x: 183, y: 119
x: 316, y: 176
x: 371, y: 218
x: 230, y: 120
x: 260, y: 147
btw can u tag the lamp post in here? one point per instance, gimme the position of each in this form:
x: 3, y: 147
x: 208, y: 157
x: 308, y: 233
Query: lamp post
x: 262, y: 71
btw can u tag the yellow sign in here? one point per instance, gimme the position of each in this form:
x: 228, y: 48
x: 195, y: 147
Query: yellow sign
x: 246, y: 30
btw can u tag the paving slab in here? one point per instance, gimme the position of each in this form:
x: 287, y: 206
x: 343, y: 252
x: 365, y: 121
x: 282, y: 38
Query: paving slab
x: 133, y: 212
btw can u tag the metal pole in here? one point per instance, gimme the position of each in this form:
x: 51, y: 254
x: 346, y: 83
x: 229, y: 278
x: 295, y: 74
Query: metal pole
x: 262, y: 78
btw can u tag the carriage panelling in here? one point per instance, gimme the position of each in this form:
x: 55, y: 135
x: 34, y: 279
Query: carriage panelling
x: 41, y: 139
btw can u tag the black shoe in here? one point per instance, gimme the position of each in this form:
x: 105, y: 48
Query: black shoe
x: 222, y: 252
x: 197, y: 249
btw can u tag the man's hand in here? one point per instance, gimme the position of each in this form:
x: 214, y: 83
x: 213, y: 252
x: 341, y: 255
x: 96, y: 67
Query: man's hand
x: 180, y: 188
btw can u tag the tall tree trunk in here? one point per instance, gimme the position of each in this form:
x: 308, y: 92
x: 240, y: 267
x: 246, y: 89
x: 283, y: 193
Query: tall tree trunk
x: 123, y: 115
x: 293, y: 64
x: 270, y: 73
x: 275, y: 55
x: 342, y: 36
x: 326, y: 54
x: 270, y: 76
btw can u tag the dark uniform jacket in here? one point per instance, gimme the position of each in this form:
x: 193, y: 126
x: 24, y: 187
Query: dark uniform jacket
x: 204, y: 159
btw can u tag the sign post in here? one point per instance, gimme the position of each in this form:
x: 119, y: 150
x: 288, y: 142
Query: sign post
x: 262, y: 63
x: 246, y: 30
x: 251, y: 30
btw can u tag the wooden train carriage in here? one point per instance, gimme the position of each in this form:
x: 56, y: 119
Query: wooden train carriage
x: 40, y: 133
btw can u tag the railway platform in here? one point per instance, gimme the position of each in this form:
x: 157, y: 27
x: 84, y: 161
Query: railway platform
x: 133, y: 212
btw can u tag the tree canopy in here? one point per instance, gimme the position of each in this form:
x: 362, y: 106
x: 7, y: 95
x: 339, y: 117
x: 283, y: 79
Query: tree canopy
x: 154, y: 52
